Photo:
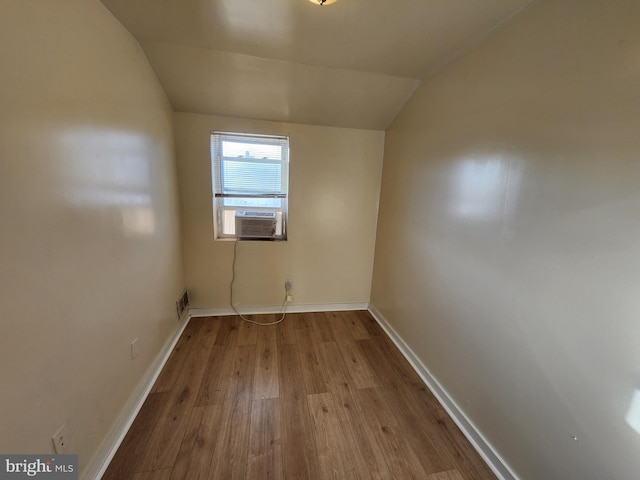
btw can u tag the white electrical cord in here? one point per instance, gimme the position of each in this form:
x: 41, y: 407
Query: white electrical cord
x: 233, y: 279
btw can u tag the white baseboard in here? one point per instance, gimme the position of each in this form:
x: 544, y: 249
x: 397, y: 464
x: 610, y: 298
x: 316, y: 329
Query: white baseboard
x: 263, y: 309
x: 101, y: 460
x: 482, y: 446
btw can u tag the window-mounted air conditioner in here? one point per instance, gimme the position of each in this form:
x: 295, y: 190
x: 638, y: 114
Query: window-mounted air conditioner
x: 251, y: 225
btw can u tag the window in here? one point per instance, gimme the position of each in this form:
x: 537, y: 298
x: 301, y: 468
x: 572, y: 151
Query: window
x: 250, y: 176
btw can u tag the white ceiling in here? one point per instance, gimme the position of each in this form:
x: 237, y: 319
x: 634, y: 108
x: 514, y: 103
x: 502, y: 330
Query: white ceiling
x: 350, y: 64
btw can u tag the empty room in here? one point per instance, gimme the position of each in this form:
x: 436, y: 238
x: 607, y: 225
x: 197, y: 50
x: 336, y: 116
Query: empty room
x: 320, y: 239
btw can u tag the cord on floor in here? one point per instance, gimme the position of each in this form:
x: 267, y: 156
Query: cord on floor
x: 233, y: 279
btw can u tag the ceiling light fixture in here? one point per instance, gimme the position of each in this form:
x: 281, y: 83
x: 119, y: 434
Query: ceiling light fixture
x: 323, y: 2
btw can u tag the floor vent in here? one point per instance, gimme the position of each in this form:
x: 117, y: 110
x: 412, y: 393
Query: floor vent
x: 182, y: 303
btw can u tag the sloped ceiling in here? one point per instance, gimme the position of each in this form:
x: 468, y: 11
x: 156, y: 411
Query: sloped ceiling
x: 350, y: 64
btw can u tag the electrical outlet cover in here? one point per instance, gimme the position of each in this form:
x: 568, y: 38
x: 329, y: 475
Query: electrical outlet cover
x: 60, y: 439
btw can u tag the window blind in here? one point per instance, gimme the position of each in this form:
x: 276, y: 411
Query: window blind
x: 249, y: 165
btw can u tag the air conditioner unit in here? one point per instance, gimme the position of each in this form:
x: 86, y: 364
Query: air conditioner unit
x: 255, y: 225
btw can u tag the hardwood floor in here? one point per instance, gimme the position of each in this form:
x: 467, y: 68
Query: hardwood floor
x: 319, y: 396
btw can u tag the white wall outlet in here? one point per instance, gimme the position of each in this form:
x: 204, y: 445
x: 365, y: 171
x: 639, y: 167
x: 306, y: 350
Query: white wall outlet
x: 289, y: 298
x: 134, y: 348
x: 60, y: 439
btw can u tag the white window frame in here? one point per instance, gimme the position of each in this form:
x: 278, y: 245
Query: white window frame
x: 224, y: 209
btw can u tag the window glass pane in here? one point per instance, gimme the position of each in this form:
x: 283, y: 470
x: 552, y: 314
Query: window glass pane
x: 251, y: 150
x: 253, y: 202
x: 279, y: 223
x: 228, y: 222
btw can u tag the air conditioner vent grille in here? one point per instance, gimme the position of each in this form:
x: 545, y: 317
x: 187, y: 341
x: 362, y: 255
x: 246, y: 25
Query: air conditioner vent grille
x: 255, y: 225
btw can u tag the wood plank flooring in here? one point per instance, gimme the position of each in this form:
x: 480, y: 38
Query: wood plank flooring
x: 318, y: 396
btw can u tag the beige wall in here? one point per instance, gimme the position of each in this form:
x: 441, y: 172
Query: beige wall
x: 508, y: 247
x: 89, y: 245
x: 334, y: 186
